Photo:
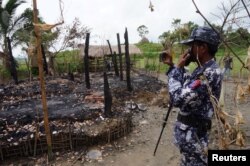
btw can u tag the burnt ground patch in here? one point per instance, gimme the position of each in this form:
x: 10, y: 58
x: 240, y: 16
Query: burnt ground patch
x: 70, y: 104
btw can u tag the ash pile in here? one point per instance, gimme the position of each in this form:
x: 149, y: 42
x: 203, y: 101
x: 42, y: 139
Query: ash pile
x: 76, y: 114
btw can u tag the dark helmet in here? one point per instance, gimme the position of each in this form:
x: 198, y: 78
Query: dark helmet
x: 204, y: 34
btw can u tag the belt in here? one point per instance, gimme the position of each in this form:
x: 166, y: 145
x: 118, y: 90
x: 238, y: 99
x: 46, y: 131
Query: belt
x: 195, y: 121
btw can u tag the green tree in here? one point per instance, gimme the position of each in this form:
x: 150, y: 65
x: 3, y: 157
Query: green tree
x: 25, y: 34
x: 239, y: 37
x: 9, y: 23
x: 176, y: 23
x: 143, y: 31
x: 25, y: 38
x: 63, y: 38
x: 167, y: 39
x: 180, y: 32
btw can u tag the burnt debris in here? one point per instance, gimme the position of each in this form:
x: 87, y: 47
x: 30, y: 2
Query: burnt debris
x: 75, y: 112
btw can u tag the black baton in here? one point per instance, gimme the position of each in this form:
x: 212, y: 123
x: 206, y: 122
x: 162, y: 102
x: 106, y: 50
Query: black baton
x: 163, y: 126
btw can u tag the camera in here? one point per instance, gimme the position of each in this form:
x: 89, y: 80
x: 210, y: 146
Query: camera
x: 162, y: 56
x: 189, y: 53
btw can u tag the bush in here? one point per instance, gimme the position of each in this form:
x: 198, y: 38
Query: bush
x: 4, y: 74
x: 144, y: 40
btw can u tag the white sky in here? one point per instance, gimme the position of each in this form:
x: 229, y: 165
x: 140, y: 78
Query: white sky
x: 108, y: 17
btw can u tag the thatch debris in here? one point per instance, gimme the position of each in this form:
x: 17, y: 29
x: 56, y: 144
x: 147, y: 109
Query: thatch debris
x: 101, y: 50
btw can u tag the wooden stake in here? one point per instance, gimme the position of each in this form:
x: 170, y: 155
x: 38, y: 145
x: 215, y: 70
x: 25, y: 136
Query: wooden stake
x: 120, y: 56
x: 42, y: 82
x: 70, y: 136
x: 86, y: 61
x: 115, y: 64
x: 129, y: 86
x: 107, y: 96
x: 110, y: 49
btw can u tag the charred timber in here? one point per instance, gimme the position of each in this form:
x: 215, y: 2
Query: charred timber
x: 120, y: 56
x: 86, y: 61
x: 110, y: 49
x: 113, y: 55
x: 107, y: 97
x: 114, y: 59
x: 129, y: 86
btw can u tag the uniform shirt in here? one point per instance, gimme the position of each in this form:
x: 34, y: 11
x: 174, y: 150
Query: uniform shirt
x: 190, y: 92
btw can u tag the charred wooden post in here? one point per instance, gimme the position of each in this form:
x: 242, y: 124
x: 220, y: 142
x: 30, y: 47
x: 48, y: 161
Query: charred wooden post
x: 107, y: 97
x: 86, y: 61
x: 120, y: 56
x: 115, y: 64
x: 71, y: 76
x: 45, y: 64
x: 111, y: 53
x: 129, y: 86
x: 110, y: 49
x: 109, y: 65
x: 13, y: 63
x: 42, y: 82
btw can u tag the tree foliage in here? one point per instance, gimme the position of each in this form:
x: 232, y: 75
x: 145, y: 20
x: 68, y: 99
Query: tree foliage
x: 24, y: 36
x: 143, y: 31
x: 180, y: 32
x: 9, y: 23
x: 235, y: 36
x: 68, y: 36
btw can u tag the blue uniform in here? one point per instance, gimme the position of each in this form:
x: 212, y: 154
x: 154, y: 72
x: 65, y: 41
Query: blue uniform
x: 190, y: 94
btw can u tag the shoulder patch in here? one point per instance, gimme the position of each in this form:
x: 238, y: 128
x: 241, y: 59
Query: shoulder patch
x: 195, y: 84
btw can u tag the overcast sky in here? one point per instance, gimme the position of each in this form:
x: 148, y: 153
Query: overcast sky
x: 108, y: 17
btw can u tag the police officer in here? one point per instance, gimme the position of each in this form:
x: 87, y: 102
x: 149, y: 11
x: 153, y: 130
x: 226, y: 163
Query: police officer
x: 193, y: 93
x: 228, y: 65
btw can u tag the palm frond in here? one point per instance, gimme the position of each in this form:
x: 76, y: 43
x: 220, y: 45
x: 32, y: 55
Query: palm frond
x: 12, y: 5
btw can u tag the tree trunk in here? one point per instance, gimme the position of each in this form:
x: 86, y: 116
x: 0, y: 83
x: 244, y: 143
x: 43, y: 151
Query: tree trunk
x: 13, y: 63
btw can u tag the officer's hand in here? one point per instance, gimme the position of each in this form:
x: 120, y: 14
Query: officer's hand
x: 166, y: 58
x: 183, y: 59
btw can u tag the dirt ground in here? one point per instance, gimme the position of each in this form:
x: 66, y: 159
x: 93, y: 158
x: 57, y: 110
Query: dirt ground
x: 136, y: 149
